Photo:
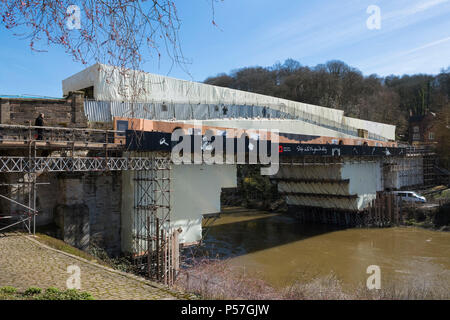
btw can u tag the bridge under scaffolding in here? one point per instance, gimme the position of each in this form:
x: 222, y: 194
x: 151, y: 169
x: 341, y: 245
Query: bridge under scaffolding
x: 326, y: 183
x: 23, y: 166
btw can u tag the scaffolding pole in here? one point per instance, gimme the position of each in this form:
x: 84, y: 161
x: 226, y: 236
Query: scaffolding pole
x: 155, y: 243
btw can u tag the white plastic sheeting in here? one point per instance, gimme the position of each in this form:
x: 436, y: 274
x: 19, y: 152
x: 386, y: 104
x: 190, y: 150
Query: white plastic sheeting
x: 111, y: 84
x: 284, y: 126
x: 359, y: 179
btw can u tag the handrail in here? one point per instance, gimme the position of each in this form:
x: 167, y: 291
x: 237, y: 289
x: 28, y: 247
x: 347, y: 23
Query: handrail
x: 21, y: 133
x: 18, y: 126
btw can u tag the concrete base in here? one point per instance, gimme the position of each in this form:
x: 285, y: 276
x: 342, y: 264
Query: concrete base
x: 327, y: 216
x: 349, y: 185
x: 194, y: 191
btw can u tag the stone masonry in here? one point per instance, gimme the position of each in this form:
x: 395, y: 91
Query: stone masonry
x: 65, y: 112
x: 88, y: 210
x: 84, y: 206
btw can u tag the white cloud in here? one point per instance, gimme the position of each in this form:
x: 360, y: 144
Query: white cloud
x: 412, y: 10
x: 424, y: 6
x: 428, y: 45
x: 411, y: 61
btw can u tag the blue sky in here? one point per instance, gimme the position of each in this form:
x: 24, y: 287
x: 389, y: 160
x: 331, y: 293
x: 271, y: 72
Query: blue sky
x: 414, y: 38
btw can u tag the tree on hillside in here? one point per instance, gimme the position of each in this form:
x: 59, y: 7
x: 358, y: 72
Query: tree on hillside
x: 415, y: 92
x: 443, y: 137
x: 337, y: 85
x: 221, y: 80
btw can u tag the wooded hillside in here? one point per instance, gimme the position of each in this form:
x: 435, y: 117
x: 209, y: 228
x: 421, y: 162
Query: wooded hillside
x: 336, y: 85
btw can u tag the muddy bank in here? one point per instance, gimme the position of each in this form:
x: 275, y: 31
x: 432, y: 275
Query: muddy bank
x: 429, y: 216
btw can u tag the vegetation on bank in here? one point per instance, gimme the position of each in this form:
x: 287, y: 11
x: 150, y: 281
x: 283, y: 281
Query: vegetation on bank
x: 93, y: 254
x: 257, y: 192
x: 36, y: 293
x: 219, y: 280
x: 435, y: 214
x: 253, y: 191
x: 437, y: 218
x: 64, y: 247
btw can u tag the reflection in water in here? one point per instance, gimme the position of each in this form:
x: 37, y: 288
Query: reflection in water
x: 280, y: 250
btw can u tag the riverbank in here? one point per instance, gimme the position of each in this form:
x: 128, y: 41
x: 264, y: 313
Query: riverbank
x: 26, y: 262
x: 259, y: 194
x: 221, y: 280
x: 274, y: 252
x: 430, y: 216
x: 434, y: 214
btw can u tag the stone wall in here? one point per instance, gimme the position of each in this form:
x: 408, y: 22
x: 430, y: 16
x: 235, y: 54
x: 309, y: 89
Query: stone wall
x: 12, y: 185
x: 65, y: 112
x: 86, y: 207
x: 88, y: 210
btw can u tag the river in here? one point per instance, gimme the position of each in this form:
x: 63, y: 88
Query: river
x: 279, y: 250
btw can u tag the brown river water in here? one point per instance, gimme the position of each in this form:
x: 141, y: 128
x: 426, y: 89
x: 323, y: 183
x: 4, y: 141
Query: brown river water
x: 279, y: 250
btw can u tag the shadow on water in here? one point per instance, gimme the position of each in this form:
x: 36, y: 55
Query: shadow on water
x: 281, y: 250
x: 227, y: 238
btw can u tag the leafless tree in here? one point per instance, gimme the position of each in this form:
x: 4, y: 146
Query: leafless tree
x: 123, y: 33
x: 114, y: 32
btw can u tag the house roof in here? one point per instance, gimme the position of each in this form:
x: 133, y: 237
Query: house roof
x: 20, y: 96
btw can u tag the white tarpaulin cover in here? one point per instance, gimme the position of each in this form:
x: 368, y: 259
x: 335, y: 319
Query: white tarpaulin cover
x: 111, y: 84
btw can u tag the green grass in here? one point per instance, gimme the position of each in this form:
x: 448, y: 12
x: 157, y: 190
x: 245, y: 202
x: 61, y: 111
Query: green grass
x: 444, y: 195
x: 62, y: 246
x: 35, y: 293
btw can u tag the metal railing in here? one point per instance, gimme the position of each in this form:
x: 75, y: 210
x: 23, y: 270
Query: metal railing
x: 422, y: 150
x: 77, y: 164
x: 20, y: 133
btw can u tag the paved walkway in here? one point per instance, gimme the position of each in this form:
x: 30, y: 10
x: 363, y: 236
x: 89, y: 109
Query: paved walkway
x: 24, y: 263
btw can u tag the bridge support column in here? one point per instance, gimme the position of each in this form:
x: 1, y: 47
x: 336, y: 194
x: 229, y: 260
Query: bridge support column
x: 337, y: 191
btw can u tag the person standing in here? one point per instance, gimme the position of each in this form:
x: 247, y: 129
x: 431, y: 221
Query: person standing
x: 40, y: 123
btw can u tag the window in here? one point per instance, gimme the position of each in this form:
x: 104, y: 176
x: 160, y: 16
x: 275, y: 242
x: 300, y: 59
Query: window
x: 431, y: 136
x: 416, y: 129
x: 122, y: 125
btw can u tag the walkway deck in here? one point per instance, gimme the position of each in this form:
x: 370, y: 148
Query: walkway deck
x: 24, y: 262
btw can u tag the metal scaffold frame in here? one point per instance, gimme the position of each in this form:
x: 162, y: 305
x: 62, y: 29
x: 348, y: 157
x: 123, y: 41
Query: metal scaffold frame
x: 383, y: 210
x: 72, y: 164
x: 155, y: 243
x: 27, y: 217
x: 64, y: 141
